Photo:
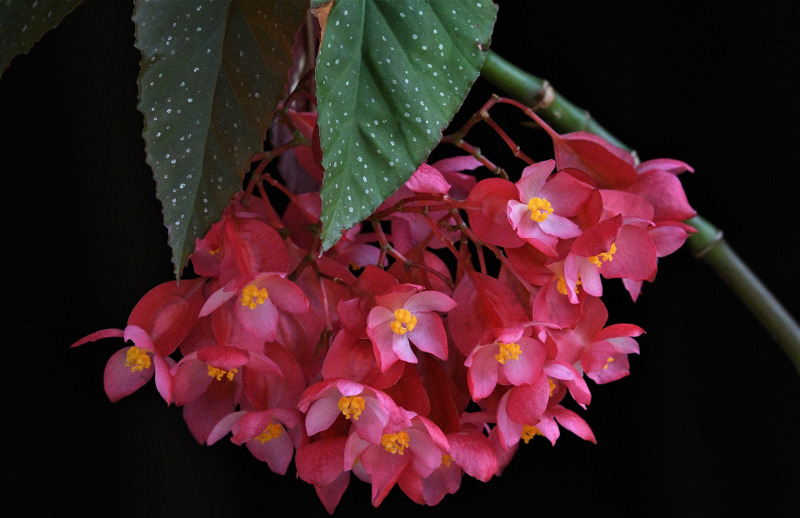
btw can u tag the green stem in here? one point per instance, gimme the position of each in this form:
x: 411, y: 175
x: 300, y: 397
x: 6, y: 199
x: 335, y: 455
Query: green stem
x: 707, y: 244
x: 561, y: 114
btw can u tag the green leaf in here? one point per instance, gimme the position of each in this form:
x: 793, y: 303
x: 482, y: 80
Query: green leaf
x: 23, y: 23
x: 212, y: 75
x: 390, y: 77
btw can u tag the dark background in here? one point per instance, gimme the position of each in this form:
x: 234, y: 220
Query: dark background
x: 707, y: 422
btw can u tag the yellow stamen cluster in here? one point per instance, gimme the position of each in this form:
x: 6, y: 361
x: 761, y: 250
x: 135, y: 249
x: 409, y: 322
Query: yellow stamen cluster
x: 608, y: 360
x: 351, y: 406
x: 395, y: 442
x: 602, y: 257
x: 540, y: 208
x: 508, y: 352
x: 272, y: 431
x: 552, y: 386
x: 218, y: 374
x: 561, y: 285
x: 529, y: 432
x: 214, y: 251
x: 447, y: 459
x: 252, y: 296
x: 137, y: 359
x: 404, y: 321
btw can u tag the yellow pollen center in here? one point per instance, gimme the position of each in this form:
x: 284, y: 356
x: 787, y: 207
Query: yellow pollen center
x: 529, y: 432
x: 540, y: 208
x: 561, y: 286
x: 220, y: 373
x: 351, y: 406
x: 252, y: 296
x: 447, y: 459
x: 272, y: 431
x: 404, y: 321
x: 137, y: 359
x: 602, y: 257
x: 552, y: 386
x: 214, y: 251
x: 395, y: 442
x: 508, y: 352
x: 608, y: 360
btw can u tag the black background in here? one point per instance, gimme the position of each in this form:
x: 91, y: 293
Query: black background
x: 707, y: 422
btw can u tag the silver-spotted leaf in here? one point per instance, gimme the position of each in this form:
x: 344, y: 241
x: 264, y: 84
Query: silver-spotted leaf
x: 212, y: 75
x: 24, y: 22
x: 390, y: 77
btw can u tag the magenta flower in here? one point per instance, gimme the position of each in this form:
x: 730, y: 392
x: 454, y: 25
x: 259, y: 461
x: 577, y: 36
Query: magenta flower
x: 270, y: 435
x: 258, y: 304
x: 406, y: 315
x: 540, y: 217
x: 470, y: 452
x: 209, y: 384
x: 420, y: 447
x: 507, y: 361
x: 156, y: 326
x: 612, y: 250
x: 368, y: 410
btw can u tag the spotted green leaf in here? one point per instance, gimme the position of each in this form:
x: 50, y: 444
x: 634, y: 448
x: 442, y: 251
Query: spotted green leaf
x: 390, y: 77
x: 212, y: 74
x: 23, y: 23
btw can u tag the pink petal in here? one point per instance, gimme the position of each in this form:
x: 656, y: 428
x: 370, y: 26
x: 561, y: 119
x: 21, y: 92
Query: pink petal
x: 321, y: 415
x: 118, y: 379
x: 473, y: 453
x: 427, y: 179
x: 533, y: 179
x: 285, y: 294
x: 384, y: 468
x: 320, y: 462
x: 428, y: 335
x: 277, y: 452
x: 429, y: 300
x: 99, y: 335
x: 574, y: 423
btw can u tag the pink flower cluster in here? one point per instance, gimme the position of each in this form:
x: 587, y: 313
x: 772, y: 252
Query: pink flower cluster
x: 461, y: 318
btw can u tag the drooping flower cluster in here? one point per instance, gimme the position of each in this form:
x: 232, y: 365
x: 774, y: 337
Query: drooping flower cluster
x: 401, y: 356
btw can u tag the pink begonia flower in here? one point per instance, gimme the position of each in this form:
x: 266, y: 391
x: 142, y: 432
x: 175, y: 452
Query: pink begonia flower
x: 368, y: 410
x: 420, y: 447
x: 486, y: 308
x: 510, y: 360
x: 209, y: 384
x: 257, y: 304
x: 321, y: 463
x: 521, y: 405
x: 405, y: 315
x: 602, y: 351
x: 540, y: 217
x: 548, y: 426
x: 157, y: 325
x: 611, y: 250
x: 470, y: 453
x: 270, y: 435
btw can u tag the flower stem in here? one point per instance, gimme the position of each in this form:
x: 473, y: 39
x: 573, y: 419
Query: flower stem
x: 707, y: 244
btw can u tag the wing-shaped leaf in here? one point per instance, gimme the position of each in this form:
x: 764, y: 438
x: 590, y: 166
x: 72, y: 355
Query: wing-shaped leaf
x: 212, y: 75
x: 390, y: 77
x: 23, y: 23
